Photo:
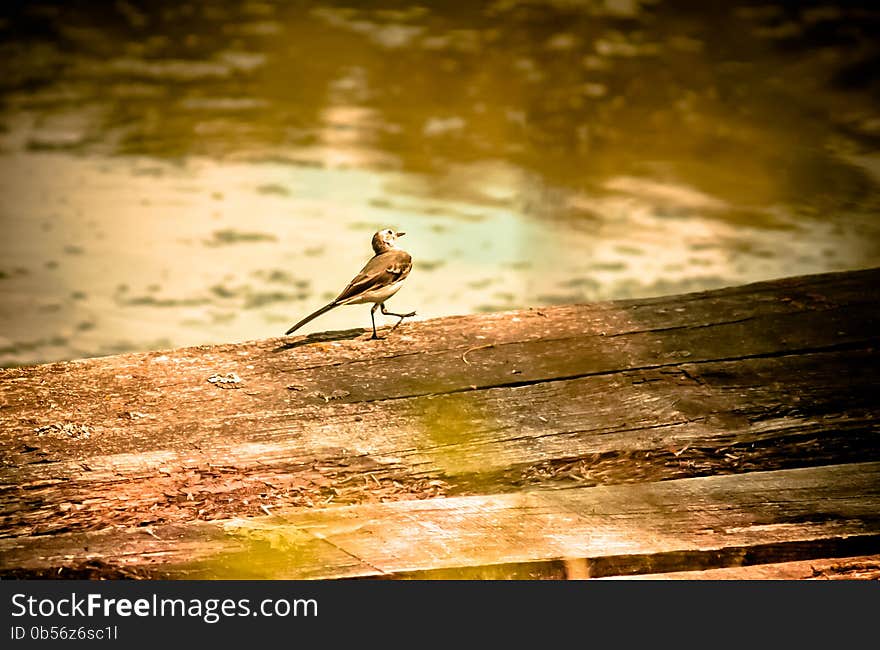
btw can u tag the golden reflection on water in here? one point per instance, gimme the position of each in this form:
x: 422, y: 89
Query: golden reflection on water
x: 182, y: 173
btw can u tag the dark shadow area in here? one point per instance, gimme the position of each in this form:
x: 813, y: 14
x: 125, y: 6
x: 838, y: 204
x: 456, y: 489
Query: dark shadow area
x: 322, y: 337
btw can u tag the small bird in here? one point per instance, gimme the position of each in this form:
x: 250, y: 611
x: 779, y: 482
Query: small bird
x: 380, y: 279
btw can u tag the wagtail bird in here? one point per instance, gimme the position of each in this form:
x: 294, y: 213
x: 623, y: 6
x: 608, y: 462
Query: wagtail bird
x: 380, y: 279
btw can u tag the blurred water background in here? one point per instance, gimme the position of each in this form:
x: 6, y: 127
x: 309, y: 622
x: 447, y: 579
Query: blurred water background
x: 176, y: 173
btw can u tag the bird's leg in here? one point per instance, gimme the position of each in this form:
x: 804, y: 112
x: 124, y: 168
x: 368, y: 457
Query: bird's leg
x: 400, y: 316
x: 373, y: 318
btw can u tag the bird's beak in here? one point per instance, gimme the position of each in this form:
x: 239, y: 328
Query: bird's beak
x: 401, y: 234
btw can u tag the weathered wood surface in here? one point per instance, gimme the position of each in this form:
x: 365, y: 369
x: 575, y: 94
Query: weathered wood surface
x: 615, y: 529
x: 141, y: 457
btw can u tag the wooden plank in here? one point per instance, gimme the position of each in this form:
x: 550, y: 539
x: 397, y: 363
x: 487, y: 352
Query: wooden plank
x: 621, y: 529
x: 718, y: 418
x: 768, y: 376
x: 820, y: 312
x: 162, y: 444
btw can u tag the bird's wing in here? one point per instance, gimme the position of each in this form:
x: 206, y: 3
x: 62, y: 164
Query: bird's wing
x: 383, y: 269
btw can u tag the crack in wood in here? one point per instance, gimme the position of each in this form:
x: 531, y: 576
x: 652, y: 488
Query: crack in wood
x: 855, y: 345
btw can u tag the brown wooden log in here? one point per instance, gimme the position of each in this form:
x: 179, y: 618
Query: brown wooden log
x: 769, y: 376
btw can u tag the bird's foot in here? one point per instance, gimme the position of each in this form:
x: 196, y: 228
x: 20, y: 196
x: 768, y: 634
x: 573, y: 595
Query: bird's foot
x: 412, y: 313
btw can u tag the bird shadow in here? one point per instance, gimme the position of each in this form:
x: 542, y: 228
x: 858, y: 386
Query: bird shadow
x: 321, y: 337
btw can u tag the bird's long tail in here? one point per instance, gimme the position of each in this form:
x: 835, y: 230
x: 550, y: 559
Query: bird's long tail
x: 312, y: 316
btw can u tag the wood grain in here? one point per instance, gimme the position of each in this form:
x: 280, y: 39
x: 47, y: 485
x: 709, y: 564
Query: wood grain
x: 615, y: 530
x: 777, y: 375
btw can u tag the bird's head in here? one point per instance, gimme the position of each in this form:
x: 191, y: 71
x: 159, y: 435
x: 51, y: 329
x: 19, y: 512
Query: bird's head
x: 385, y: 239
